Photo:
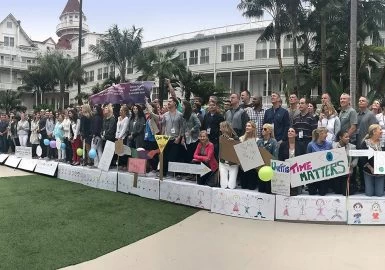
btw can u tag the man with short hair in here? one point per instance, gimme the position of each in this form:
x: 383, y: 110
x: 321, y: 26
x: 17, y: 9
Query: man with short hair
x: 236, y: 116
x: 245, y: 99
x: 348, y: 117
x: 293, y: 107
x: 3, y: 134
x: 304, y: 123
x: 278, y: 117
x: 256, y: 113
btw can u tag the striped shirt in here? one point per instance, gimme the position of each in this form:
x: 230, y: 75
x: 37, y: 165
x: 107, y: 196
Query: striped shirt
x: 305, y: 123
x: 257, y: 117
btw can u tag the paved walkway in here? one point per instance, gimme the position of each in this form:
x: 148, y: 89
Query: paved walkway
x: 8, y: 172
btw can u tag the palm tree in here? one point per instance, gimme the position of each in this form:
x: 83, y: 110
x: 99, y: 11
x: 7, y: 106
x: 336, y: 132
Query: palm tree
x: 9, y: 100
x: 353, y: 51
x: 119, y: 48
x: 155, y: 64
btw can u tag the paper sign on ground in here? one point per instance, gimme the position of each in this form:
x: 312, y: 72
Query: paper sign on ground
x: 200, y: 169
x: 46, y: 167
x: 108, y: 153
x: 27, y: 164
x: 280, y: 183
x: 162, y: 141
x: 12, y: 161
x: 379, y: 162
x: 249, y: 155
x: 3, y: 157
x: 23, y: 152
x: 318, y: 166
x: 366, y: 210
x: 137, y: 165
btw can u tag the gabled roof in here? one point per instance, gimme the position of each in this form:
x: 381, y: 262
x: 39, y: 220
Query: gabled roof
x: 11, y: 17
x: 72, y: 6
x: 45, y: 41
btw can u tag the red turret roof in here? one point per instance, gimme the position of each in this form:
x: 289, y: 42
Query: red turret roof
x: 72, y: 6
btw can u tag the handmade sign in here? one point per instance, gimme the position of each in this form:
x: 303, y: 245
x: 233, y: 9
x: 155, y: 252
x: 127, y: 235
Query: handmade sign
x: 3, y: 157
x: 145, y: 187
x: 119, y: 147
x: 227, y: 151
x: 280, y: 183
x: 46, y: 167
x: 162, y: 141
x: 23, y: 152
x: 27, y: 164
x: 318, y: 166
x: 266, y: 156
x: 108, y: 153
x: 200, y: 169
x: 379, y: 162
x: 12, y: 161
x: 243, y: 203
x: 125, y: 180
x: 311, y: 208
x: 366, y: 210
x: 249, y: 155
x: 126, y: 151
x: 362, y: 153
x: 137, y: 165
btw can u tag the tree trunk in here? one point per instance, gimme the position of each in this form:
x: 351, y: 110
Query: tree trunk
x: 295, y: 56
x: 79, y: 48
x: 353, y: 52
x: 61, y: 96
x: 161, y: 91
x: 323, y: 53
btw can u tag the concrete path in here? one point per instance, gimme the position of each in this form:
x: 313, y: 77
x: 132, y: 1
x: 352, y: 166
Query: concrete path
x: 211, y: 241
x: 8, y: 172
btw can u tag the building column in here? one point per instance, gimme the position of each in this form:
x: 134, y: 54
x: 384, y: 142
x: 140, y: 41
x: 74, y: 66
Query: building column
x: 231, y: 81
x: 215, y: 77
x: 248, y: 80
x: 267, y: 83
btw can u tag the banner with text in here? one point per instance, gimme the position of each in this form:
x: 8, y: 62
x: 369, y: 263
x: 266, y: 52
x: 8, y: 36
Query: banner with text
x: 318, y: 166
x: 280, y: 183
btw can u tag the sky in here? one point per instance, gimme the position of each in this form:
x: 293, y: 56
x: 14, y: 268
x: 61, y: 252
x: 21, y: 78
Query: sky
x: 157, y: 18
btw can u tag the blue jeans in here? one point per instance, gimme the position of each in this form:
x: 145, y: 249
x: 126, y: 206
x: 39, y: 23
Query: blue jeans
x: 374, y: 184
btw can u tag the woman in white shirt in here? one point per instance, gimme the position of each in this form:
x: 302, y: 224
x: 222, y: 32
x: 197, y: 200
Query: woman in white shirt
x: 330, y: 121
x: 22, y: 130
x: 121, y: 131
x: 34, y: 138
x: 67, y: 134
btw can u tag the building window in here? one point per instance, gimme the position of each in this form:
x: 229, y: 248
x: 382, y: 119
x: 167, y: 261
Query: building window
x: 82, y: 42
x: 239, y: 52
x: 9, y: 41
x: 92, y: 76
x: 112, y: 71
x: 193, y: 60
x: 100, y: 74
x: 273, y: 49
x: 105, y: 73
x: 183, y: 57
x: 86, y: 76
x: 226, y: 53
x: 130, y: 68
x: 288, y: 48
x: 71, y: 19
x: 261, y: 50
x: 9, y: 24
x: 205, y: 59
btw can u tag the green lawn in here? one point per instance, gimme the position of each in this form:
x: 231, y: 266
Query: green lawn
x: 46, y: 223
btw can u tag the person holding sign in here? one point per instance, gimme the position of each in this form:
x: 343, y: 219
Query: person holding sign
x: 205, y: 153
x: 291, y: 148
x: 374, y: 184
x: 319, y: 143
x: 228, y: 170
x: 270, y: 144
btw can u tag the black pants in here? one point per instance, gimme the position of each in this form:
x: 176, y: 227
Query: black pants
x: 209, y: 179
x: 320, y: 188
x: 42, y: 145
x: 68, y: 150
x: 249, y: 179
x: 190, y: 152
x: 3, y: 144
x: 12, y: 142
x: 149, y: 145
x: 170, y: 154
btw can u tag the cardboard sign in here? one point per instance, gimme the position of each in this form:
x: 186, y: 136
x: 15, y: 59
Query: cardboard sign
x: 249, y: 155
x: 280, y: 183
x: 12, y: 161
x: 108, y: 153
x: 46, y: 167
x: 27, y: 164
x: 318, y: 166
x: 200, y: 169
x: 137, y: 165
x: 162, y: 141
x: 366, y: 210
x: 119, y: 147
x: 227, y: 151
x: 379, y: 162
x: 3, y: 157
x: 266, y: 156
x: 126, y: 151
x: 23, y: 152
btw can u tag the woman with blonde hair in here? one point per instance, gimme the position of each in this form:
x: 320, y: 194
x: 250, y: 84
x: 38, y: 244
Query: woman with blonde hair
x: 249, y: 178
x: 329, y: 119
x: 319, y: 143
x: 85, y: 131
x: 375, y: 107
x: 374, y: 183
x: 269, y: 143
x: 228, y: 170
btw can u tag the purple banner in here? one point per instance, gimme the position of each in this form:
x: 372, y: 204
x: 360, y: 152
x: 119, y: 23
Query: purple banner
x: 124, y: 93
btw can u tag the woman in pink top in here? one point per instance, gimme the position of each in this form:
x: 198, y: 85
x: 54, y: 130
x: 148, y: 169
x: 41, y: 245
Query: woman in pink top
x: 205, y: 153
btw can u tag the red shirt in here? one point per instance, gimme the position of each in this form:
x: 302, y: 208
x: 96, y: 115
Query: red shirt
x: 208, y: 158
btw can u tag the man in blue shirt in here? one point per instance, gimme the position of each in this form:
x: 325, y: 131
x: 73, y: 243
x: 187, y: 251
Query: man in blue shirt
x: 278, y: 117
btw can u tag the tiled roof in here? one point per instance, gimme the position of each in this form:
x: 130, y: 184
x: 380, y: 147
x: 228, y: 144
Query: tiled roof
x: 72, y: 6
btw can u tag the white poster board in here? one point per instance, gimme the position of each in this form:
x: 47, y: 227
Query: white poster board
x: 249, y: 155
x: 23, y: 152
x: 3, y: 157
x: 318, y: 166
x: 280, y: 183
x: 27, y: 164
x: 108, y: 181
x: 125, y: 180
x: 330, y: 208
x: 145, y: 187
x: 46, y: 167
x: 186, y: 193
x: 379, y: 162
x: 108, y: 153
x: 12, y: 161
x: 243, y: 203
x: 366, y: 210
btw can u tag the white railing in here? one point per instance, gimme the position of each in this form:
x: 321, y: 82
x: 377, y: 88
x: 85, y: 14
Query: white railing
x: 9, y: 86
x: 73, y: 24
x: 14, y: 64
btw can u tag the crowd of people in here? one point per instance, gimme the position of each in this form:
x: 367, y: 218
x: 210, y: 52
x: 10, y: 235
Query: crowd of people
x: 195, y: 133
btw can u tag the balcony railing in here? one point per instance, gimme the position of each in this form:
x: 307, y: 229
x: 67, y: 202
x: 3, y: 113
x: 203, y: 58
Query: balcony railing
x: 73, y: 24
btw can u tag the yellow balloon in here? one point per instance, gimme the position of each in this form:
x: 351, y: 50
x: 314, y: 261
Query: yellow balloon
x: 265, y: 173
x: 79, y: 151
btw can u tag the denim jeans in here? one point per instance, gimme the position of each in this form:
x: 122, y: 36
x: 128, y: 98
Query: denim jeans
x: 374, y: 184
